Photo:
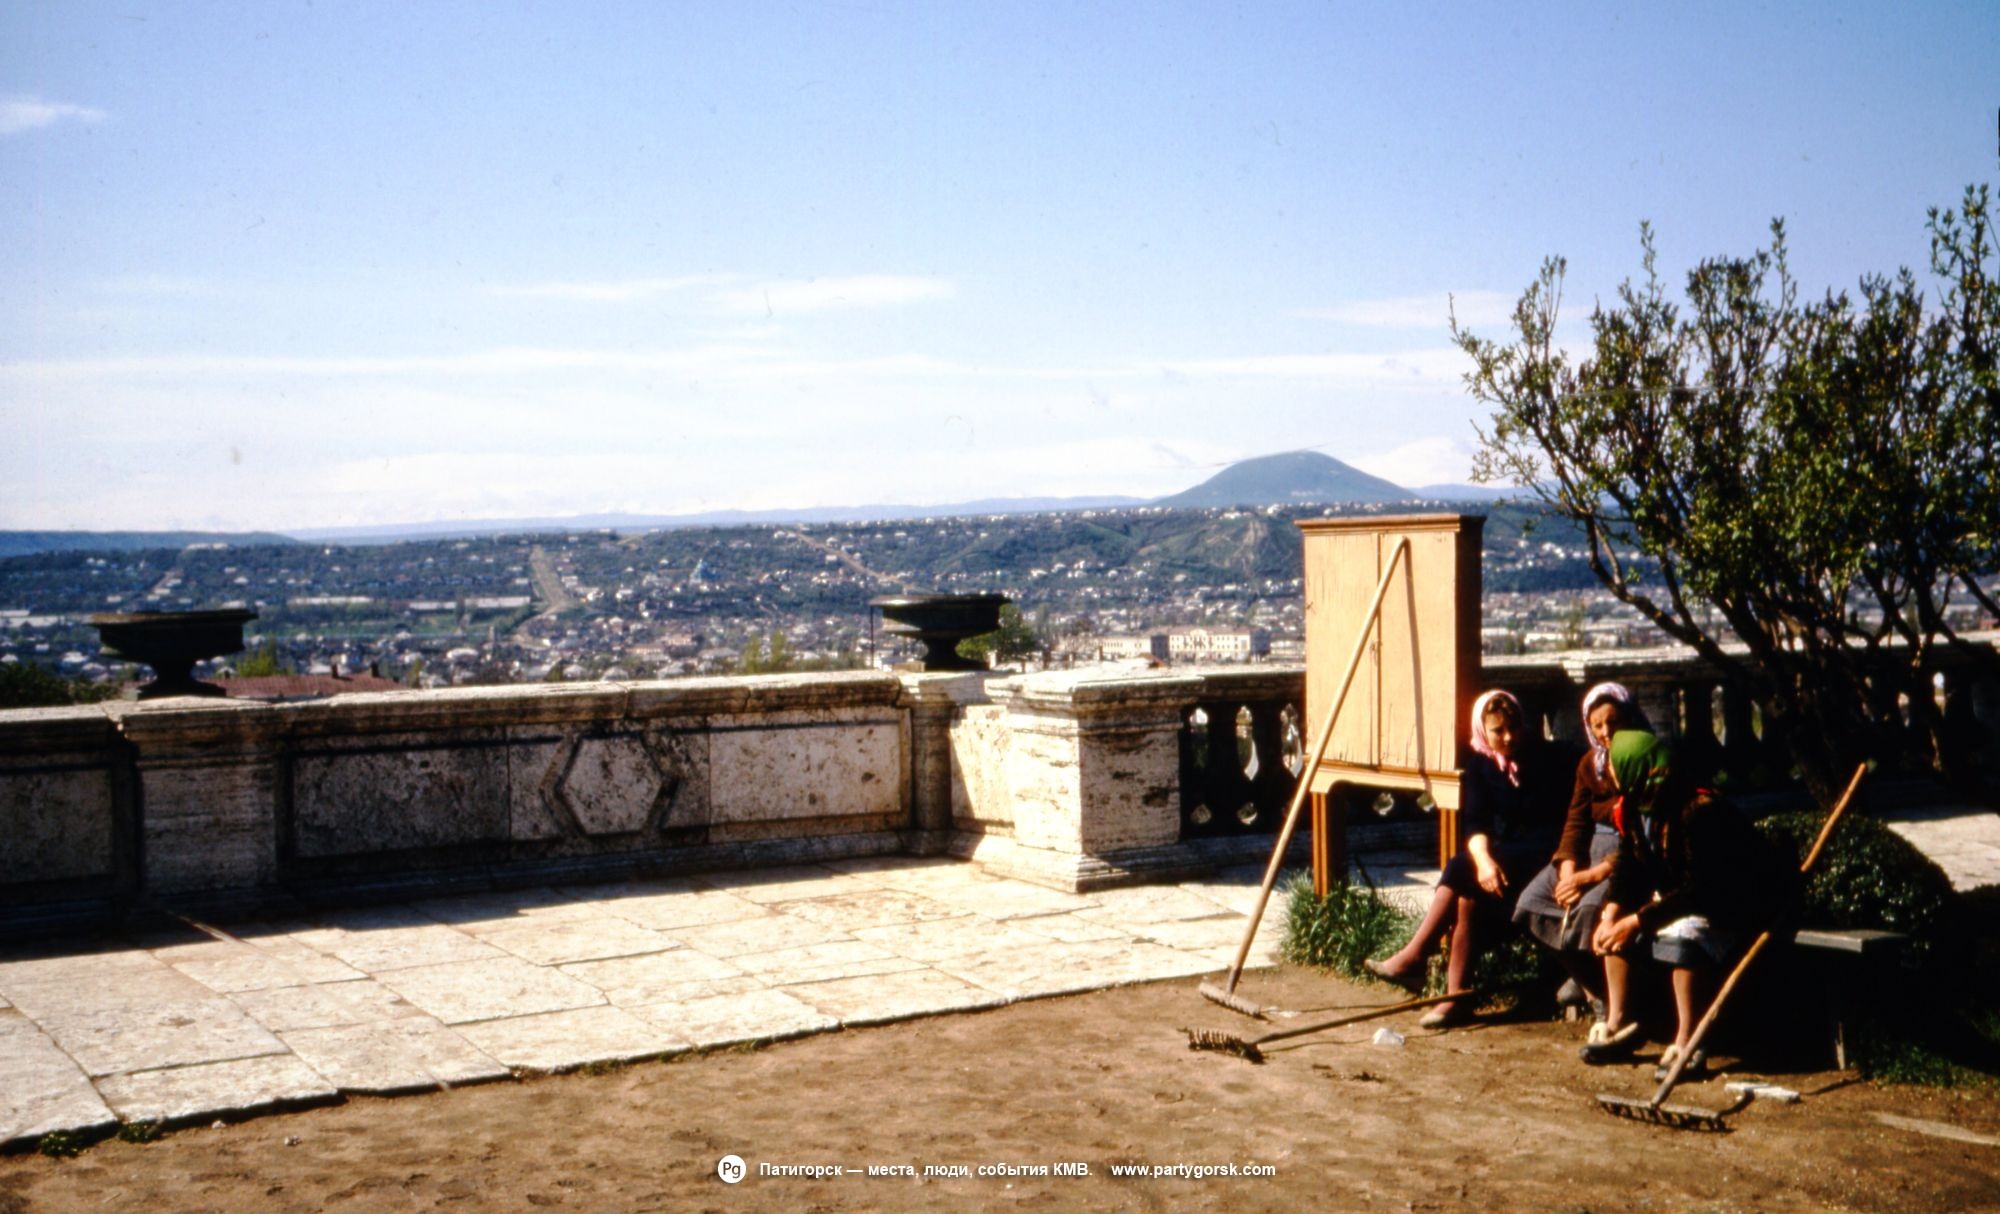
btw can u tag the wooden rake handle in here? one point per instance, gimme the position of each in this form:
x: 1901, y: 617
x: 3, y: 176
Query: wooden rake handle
x: 1299, y: 795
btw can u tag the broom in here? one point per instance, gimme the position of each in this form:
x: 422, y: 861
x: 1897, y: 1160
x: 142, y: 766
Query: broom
x: 1687, y: 1117
x: 1226, y: 994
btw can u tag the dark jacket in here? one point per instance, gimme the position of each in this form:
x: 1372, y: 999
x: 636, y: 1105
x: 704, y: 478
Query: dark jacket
x: 1511, y: 815
x: 1591, y: 799
x: 1703, y: 858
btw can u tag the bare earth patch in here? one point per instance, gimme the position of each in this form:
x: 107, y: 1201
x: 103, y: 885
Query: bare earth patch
x: 1492, y: 1119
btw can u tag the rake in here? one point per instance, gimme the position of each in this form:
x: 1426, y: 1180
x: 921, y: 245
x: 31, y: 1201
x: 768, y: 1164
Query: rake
x: 1226, y: 994
x: 1687, y: 1117
x: 1209, y: 1039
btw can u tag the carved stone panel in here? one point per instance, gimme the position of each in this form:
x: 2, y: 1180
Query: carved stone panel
x: 401, y: 792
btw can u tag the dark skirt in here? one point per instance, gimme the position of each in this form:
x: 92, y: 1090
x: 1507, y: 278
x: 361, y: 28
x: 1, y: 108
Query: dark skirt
x: 1518, y: 861
x: 1538, y: 911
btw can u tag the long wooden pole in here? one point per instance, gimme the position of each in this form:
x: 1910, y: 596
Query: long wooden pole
x: 1312, y: 764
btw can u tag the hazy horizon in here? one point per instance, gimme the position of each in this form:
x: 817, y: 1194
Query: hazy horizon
x: 286, y: 267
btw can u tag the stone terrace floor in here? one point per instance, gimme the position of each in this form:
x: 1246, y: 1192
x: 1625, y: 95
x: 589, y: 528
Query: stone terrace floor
x: 180, y: 1025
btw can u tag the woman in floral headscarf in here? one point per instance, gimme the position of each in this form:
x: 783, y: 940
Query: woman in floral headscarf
x: 1559, y: 907
x: 1692, y: 879
x: 1509, y: 816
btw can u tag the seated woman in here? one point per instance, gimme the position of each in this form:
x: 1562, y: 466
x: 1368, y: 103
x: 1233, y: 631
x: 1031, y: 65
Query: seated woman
x: 1559, y: 908
x: 1692, y: 880
x: 1509, y: 815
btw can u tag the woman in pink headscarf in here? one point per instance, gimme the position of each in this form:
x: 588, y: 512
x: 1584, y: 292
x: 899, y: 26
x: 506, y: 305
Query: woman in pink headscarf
x: 1510, y: 813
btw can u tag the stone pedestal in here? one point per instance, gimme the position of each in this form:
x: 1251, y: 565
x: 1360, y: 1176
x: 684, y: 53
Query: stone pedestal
x: 935, y: 702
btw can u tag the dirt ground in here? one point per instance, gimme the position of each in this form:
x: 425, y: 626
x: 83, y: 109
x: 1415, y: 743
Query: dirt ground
x: 1495, y: 1118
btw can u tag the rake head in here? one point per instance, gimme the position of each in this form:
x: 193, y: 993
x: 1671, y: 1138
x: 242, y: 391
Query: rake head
x: 1231, y: 1000
x: 1209, y: 1039
x: 1673, y: 1116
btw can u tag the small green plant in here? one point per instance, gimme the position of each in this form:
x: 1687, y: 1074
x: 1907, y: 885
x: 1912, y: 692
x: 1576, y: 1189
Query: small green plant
x: 59, y: 1144
x: 1342, y: 930
x: 139, y: 1131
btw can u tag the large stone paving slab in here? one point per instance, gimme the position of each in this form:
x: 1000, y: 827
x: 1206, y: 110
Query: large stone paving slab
x: 476, y: 913
x: 937, y: 939
x: 668, y: 977
x: 772, y: 886
x: 870, y: 908
x: 884, y: 997
x: 1064, y: 968
x: 216, y: 1089
x: 1015, y: 900
x: 1150, y: 904
x: 580, y: 939
x: 62, y: 979
x: 288, y: 1009
x: 757, y: 936
x: 1073, y: 929
x: 488, y: 990
x: 44, y: 1089
x: 226, y: 968
x: 822, y: 962
x: 397, y: 938
x: 669, y: 912
x: 405, y: 1055
x: 109, y: 1040
x: 557, y: 1041
x: 748, y: 1016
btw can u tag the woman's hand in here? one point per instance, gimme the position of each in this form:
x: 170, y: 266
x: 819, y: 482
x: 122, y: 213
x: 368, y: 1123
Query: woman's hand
x: 1614, y: 934
x: 1485, y: 869
x: 1491, y: 879
x: 1567, y: 894
x: 1572, y: 881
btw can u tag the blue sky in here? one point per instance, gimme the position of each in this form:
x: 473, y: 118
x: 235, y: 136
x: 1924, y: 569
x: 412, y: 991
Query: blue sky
x: 289, y: 265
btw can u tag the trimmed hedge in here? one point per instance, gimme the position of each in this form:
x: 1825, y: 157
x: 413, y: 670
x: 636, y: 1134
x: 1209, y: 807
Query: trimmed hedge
x: 1869, y: 876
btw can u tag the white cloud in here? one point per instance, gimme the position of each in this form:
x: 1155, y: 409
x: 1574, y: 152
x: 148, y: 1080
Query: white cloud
x: 20, y: 112
x: 620, y: 291
x: 1423, y: 461
x: 1377, y: 368
x: 1420, y: 311
x: 784, y: 296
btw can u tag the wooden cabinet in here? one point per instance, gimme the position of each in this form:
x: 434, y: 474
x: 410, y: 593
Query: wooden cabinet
x: 1402, y: 725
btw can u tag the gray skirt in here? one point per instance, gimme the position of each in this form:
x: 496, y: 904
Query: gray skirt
x: 1542, y: 916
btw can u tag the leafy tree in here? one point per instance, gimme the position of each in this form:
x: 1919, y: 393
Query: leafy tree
x: 260, y: 662
x: 28, y: 685
x: 767, y: 657
x: 1818, y: 479
x: 1013, y: 641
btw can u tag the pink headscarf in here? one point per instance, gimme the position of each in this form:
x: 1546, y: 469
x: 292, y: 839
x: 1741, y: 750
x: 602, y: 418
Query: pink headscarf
x: 1481, y: 745
x: 1630, y: 716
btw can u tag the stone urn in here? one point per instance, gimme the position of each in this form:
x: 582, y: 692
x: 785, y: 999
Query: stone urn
x: 940, y: 622
x: 171, y: 642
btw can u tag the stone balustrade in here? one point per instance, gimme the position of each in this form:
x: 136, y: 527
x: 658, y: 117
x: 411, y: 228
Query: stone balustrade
x: 1074, y: 779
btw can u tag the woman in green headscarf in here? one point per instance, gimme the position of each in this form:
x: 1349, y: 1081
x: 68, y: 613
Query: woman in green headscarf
x: 1691, y: 879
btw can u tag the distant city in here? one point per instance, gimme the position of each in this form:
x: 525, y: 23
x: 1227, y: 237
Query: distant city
x: 1170, y: 583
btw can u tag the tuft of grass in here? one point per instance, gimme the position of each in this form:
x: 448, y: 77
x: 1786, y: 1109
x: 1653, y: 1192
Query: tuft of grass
x: 59, y: 1144
x: 1342, y: 930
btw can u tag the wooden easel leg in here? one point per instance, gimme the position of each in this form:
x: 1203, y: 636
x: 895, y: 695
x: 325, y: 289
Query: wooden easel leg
x: 1329, y: 840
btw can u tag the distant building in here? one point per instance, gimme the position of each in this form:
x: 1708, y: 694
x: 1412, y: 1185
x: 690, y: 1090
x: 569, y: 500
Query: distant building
x: 1198, y: 644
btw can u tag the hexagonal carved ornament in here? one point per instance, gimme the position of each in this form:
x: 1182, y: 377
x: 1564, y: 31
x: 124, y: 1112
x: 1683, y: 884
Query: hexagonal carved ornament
x: 613, y: 784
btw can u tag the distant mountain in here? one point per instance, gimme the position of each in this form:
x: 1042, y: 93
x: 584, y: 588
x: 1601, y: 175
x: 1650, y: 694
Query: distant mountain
x: 1295, y: 478
x: 29, y: 543
x: 463, y: 528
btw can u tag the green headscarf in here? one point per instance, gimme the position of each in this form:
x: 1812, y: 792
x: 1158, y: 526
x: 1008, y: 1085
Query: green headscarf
x: 1639, y: 761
